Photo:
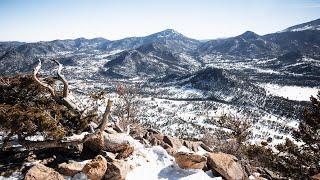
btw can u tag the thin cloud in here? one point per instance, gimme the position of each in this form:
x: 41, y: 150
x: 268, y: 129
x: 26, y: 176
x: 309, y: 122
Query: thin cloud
x: 308, y: 6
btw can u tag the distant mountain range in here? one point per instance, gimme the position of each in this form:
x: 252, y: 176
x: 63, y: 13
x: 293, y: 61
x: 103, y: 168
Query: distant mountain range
x: 305, y: 38
x: 251, y: 45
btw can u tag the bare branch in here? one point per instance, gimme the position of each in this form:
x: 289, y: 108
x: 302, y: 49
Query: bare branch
x: 105, y: 116
x: 62, y: 78
x: 35, y: 72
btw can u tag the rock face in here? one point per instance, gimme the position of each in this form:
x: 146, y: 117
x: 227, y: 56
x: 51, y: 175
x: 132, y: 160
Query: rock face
x: 70, y: 169
x: 226, y: 165
x: 117, y: 170
x: 39, y: 172
x: 96, y: 168
x: 190, y: 160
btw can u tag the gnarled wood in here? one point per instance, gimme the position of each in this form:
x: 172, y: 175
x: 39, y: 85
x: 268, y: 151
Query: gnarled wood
x: 35, y: 72
x: 62, y: 78
x: 105, y: 116
x: 65, y: 100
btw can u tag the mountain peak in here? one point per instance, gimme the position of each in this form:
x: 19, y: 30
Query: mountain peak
x: 168, y: 33
x: 249, y: 35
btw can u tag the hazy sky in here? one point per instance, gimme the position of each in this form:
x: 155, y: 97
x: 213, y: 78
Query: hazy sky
x: 35, y: 20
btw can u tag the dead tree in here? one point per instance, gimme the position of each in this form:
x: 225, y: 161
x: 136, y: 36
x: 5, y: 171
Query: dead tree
x: 98, y: 139
x: 60, y: 99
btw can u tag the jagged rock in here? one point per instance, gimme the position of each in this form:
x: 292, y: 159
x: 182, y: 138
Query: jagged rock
x: 96, y: 168
x: 125, y: 153
x: 117, y: 170
x: 226, y: 165
x: 40, y: 172
x: 174, y: 142
x: 192, y: 145
x: 70, y: 169
x: 190, y: 160
x: 316, y: 177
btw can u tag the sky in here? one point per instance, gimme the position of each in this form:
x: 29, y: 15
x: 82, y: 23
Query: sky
x: 43, y: 20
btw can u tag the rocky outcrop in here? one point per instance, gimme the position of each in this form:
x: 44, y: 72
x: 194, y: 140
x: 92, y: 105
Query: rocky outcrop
x: 96, y: 168
x: 70, y: 169
x: 117, y: 170
x: 40, y: 172
x: 226, y: 165
x: 190, y: 160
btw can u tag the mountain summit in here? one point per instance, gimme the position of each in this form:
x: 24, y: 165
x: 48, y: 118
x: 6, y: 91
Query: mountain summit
x: 249, y: 35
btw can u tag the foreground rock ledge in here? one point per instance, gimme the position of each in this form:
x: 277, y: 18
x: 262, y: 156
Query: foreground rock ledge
x: 226, y: 165
x: 40, y: 172
x: 190, y: 160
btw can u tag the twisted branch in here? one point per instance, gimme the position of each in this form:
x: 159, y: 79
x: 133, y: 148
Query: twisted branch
x: 62, y: 78
x: 35, y: 72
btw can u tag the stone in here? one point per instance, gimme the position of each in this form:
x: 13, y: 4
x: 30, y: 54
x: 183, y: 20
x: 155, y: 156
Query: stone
x: 226, y: 165
x: 316, y: 177
x: 70, y: 169
x: 117, y: 170
x: 190, y: 160
x: 40, y: 172
x: 125, y: 153
x: 96, y: 168
x: 174, y: 142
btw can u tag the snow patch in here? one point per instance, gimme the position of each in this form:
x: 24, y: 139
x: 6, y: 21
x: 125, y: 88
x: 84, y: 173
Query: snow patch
x: 156, y: 163
x: 296, y: 93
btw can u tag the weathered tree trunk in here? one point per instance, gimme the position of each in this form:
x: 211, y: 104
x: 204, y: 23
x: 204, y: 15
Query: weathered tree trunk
x: 64, y: 99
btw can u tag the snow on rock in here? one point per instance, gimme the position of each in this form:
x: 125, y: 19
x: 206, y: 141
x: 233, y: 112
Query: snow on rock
x: 156, y: 163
